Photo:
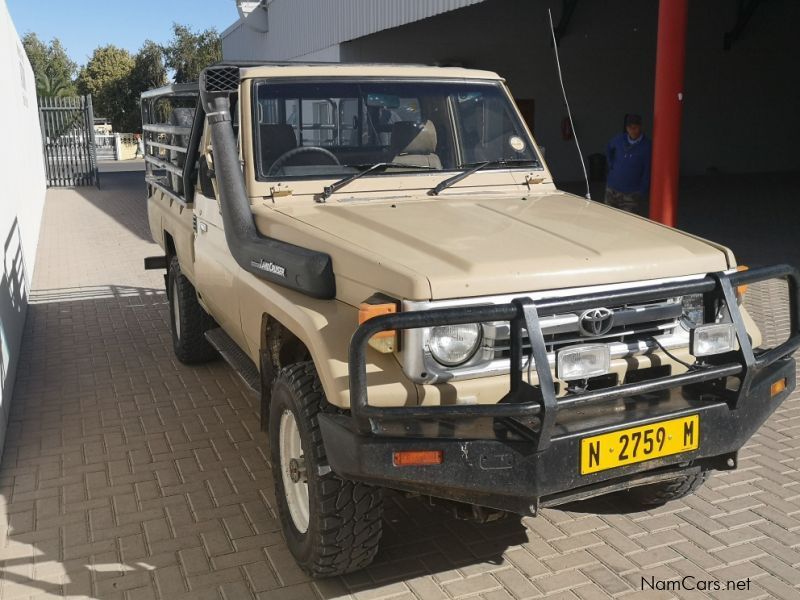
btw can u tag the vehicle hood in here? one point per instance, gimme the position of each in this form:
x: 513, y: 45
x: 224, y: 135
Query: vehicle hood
x: 482, y: 245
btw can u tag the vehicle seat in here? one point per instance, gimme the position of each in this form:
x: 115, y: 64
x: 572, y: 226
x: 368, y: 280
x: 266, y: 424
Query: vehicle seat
x: 276, y: 140
x: 415, y: 144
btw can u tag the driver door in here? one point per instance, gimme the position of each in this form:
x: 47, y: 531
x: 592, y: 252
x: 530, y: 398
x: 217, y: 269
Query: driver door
x: 215, y: 267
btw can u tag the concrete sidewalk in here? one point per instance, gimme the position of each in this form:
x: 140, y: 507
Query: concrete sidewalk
x: 127, y: 475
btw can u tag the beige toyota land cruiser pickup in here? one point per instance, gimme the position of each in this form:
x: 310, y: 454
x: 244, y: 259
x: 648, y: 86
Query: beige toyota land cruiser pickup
x: 381, y: 253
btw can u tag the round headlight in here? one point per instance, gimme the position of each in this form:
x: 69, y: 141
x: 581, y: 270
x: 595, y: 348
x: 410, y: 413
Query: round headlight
x: 453, y: 345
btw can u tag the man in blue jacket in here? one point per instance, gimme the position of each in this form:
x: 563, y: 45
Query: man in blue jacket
x: 628, y: 157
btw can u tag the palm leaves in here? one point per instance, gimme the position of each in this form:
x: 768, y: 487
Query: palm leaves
x: 53, y: 86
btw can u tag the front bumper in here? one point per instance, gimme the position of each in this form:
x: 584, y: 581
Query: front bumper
x: 524, y: 451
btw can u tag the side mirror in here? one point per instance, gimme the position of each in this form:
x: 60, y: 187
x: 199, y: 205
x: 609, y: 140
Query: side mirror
x: 205, y: 176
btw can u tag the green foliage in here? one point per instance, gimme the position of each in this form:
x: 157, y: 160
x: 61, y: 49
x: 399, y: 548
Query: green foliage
x: 52, y: 67
x: 50, y: 86
x: 115, y: 78
x: 148, y: 73
x: 188, y: 52
x: 107, y: 78
x: 148, y: 70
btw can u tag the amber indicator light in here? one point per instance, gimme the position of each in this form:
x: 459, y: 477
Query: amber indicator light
x: 370, y: 311
x: 417, y: 458
x: 777, y: 387
x: 741, y: 289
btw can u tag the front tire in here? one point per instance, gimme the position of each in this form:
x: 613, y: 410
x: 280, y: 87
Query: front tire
x: 188, y: 320
x: 658, y: 494
x: 331, y: 525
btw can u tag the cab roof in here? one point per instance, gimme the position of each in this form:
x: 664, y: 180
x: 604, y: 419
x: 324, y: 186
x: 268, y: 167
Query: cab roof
x: 362, y: 70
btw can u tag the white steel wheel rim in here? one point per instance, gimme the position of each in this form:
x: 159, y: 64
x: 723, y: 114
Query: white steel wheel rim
x: 290, y: 448
x: 176, y: 315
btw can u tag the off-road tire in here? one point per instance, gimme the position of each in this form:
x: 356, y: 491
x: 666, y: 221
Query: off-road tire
x: 657, y: 494
x: 188, y: 341
x: 345, y: 517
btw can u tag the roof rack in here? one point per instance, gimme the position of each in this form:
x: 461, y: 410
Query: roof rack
x: 170, y: 135
x: 174, y: 89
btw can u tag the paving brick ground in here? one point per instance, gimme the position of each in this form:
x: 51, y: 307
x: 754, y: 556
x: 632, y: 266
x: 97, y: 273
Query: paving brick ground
x: 127, y: 475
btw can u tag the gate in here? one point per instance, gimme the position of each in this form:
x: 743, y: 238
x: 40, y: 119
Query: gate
x: 68, y: 141
x: 105, y: 147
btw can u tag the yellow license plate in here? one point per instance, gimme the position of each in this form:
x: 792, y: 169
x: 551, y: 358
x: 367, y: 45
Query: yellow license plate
x: 637, y: 444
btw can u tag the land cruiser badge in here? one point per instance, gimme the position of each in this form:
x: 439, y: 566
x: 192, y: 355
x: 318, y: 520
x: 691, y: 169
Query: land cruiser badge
x: 269, y: 267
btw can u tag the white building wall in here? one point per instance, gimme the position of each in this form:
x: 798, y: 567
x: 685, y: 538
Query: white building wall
x: 303, y: 28
x: 21, y: 202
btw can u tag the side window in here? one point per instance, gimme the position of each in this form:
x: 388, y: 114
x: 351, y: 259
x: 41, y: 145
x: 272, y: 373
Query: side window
x: 407, y: 109
x: 318, y: 125
x: 203, y: 172
x: 352, y: 129
x: 326, y: 122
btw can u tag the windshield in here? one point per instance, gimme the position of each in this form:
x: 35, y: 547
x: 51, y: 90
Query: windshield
x: 332, y: 129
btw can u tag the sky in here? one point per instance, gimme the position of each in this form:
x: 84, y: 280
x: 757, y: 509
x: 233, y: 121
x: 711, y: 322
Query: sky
x: 82, y: 25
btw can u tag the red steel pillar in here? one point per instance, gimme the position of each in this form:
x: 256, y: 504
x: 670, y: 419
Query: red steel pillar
x: 670, y: 61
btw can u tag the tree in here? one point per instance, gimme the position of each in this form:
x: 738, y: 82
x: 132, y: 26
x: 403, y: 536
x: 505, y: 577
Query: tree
x: 52, y: 66
x: 148, y: 69
x: 51, y: 86
x: 107, y: 77
x: 188, y: 52
x: 148, y: 73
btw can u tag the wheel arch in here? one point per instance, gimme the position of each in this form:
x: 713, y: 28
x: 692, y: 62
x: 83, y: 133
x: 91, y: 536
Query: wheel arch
x: 279, y: 347
x: 169, y: 246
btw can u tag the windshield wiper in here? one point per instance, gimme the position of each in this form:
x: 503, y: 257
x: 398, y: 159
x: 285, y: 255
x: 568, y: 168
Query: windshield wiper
x: 329, y: 190
x: 477, y: 167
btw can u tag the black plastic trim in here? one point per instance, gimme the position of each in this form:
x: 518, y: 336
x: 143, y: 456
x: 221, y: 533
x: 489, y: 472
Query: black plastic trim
x: 153, y: 263
x: 506, y: 472
x: 301, y: 269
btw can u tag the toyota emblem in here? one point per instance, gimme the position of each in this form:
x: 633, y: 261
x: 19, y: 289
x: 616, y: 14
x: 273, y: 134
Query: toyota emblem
x: 596, y: 321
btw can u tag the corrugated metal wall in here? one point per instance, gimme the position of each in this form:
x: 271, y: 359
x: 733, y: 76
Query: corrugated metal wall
x: 301, y: 27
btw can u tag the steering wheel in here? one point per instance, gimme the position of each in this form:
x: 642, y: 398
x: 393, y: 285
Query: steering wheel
x: 287, y: 156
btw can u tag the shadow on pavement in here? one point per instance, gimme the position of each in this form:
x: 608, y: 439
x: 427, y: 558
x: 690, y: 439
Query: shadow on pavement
x: 125, y: 469
x: 123, y: 197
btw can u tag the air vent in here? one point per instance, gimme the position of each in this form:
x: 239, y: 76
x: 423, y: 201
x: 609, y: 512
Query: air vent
x: 222, y: 79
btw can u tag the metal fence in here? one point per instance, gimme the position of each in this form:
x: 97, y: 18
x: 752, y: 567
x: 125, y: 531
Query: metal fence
x: 68, y: 141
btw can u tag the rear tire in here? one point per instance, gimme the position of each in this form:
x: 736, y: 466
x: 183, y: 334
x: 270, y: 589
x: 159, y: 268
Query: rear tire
x: 331, y: 525
x: 188, y: 320
x: 658, y: 494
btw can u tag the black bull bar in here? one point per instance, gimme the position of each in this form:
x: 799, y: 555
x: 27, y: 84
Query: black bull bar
x: 524, y: 404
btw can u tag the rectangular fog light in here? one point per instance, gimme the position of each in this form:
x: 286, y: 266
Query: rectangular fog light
x: 582, y: 362
x: 714, y: 338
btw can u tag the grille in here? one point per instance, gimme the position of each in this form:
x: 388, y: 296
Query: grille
x: 222, y: 79
x: 631, y: 324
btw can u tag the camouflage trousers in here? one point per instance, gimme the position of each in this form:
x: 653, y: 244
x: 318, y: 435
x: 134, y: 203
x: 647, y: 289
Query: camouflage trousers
x: 629, y: 202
